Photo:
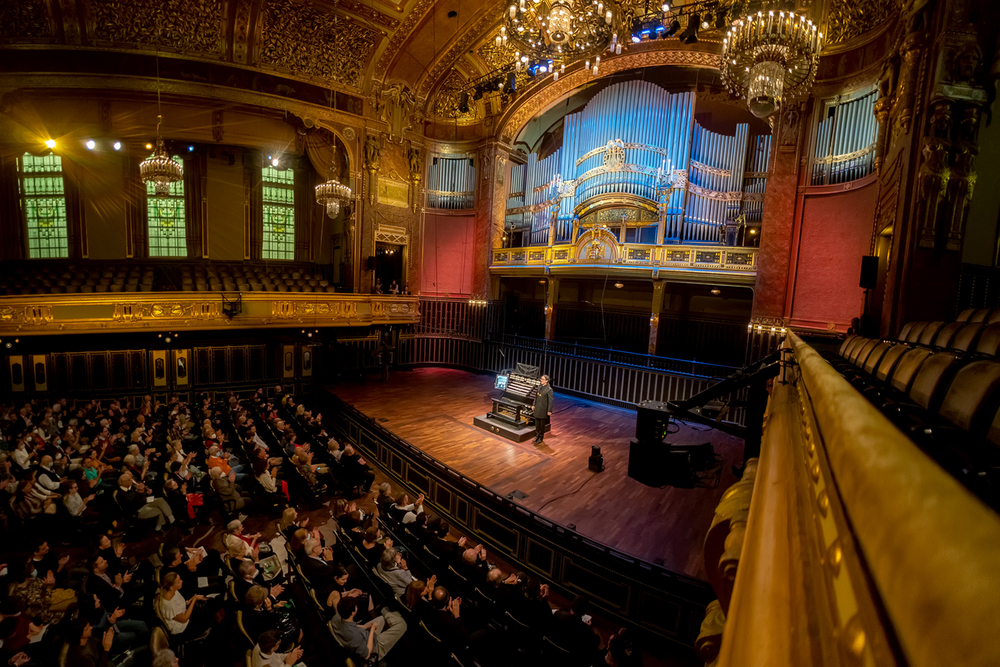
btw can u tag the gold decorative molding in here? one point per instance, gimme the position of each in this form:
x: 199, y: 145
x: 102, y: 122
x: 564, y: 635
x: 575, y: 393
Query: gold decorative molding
x: 847, y: 19
x: 188, y: 26
x: 400, y: 37
x: 102, y: 313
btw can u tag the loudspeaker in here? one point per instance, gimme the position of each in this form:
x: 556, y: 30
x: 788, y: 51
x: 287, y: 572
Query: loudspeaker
x: 370, y: 264
x: 869, y: 271
x: 651, y: 421
x: 649, y: 462
x: 596, y: 461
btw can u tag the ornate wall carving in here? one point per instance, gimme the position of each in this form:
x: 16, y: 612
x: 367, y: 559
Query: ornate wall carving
x: 451, y: 56
x: 190, y: 26
x: 305, y: 41
x: 849, y: 18
x: 24, y: 20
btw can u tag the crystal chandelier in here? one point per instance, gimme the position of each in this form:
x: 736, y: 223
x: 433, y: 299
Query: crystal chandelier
x: 333, y: 194
x: 770, y: 56
x: 552, y: 33
x: 159, y: 169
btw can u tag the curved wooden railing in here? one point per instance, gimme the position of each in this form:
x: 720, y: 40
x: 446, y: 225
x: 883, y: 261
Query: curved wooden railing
x: 857, y: 549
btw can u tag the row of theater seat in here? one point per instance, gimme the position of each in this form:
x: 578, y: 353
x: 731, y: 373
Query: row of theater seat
x: 941, y: 385
x: 60, y: 278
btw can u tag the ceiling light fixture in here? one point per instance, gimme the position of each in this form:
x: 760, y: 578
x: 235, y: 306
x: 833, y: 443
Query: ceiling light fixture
x: 159, y: 168
x: 770, y: 56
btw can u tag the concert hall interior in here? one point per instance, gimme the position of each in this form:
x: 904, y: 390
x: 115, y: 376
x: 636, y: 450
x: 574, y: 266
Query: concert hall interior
x: 285, y: 286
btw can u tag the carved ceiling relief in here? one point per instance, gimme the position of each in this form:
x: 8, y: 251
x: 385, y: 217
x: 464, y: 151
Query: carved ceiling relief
x: 462, y: 45
x: 849, y: 18
x: 305, y: 41
x: 24, y: 20
x: 400, y: 36
x: 191, y: 26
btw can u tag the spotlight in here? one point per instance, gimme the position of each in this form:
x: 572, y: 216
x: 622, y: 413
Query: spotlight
x: 8, y: 345
x: 190, y: 149
x: 665, y: 7
x: 636, y: 39
x: 716, y: 291
x: 117, y: 145
x: 619, y: 285
x: 704, y: 25
x: 478, y: 93
x: 690, y: 34
x: 720, y: 19
x: 167, y: 340
x: 91, y: 144
x: 675, y: 25
x: 274, y: 162
x: 149, y: 147
x: 50, y: 143
x: 463, y: 104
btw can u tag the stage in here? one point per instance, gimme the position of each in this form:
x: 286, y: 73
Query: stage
x: 433, y: 408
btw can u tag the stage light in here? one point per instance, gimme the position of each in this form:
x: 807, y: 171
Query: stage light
x: 190, y: 149
x: 149, y: 147
x: 636, y: 39
x: 91, y: 144
x: 117, y: 145
x: 50, y: 143
x: 753, y: 231
x: 665, y: 7
x: 675, y: 25
x: 704, y: 25
x: 690, y: 34
x: 511, y: 86
x: 463, y: 103
x: 720, y: 19
x: 274, y: 162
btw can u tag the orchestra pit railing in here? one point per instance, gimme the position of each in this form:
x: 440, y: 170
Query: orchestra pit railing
x: 854, y: 548
x: 650, y: 599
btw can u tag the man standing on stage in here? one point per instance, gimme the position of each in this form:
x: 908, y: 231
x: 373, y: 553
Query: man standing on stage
x: 543, y: 409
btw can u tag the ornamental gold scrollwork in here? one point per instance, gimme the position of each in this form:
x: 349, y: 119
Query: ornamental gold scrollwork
x: 400, y: 37
x: 306, y: 41
x: 715, y: 171
x: 849, y: 18
x: 194, y: 26
x: 26, y: 315
x: 27, y: 19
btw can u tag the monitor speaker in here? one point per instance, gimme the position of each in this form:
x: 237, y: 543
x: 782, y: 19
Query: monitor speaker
x: 652, y: 419
x: 869, y: 271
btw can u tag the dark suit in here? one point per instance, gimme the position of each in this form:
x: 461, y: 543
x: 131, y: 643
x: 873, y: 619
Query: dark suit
x: 542, y: 408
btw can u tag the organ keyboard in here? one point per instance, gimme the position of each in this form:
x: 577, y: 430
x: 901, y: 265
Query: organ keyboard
x: 515, y: 404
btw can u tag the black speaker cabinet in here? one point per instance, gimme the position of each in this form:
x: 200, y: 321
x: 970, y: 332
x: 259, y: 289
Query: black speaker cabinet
x: 869, y: 271
x: 651, y: 421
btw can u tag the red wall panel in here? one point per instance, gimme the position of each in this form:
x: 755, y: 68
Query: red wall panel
x: 835, y: 232
x: 448, y: 255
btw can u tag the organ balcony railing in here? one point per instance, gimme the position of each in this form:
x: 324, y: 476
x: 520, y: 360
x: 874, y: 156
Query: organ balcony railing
x: 845, y: 544
x: 599, y: 248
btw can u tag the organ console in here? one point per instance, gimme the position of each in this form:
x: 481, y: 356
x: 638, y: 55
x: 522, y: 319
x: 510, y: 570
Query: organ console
x: 511, y: 413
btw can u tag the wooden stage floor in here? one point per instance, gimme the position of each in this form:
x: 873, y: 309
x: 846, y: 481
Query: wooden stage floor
x: 433, y: 409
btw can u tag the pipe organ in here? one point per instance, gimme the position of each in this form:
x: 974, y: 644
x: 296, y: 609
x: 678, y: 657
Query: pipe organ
x: 845, y: 140
x: 451, y: 183
x: 634, y: 160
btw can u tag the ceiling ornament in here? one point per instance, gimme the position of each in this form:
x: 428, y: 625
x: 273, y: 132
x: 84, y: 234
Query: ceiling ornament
x: 188, y: 26
x: 400, y: 37
x: 394, y: 104
x: 305, y: 41
x: 769, y: 56
x: 847, y: 19
x: 462, y: 45
x: 27, y: 19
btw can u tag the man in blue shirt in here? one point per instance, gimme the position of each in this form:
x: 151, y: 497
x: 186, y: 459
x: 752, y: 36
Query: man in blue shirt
x: 375, y: 637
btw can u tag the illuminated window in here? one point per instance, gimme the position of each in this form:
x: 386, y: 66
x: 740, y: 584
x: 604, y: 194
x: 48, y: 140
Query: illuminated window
x: 166, y: 221
x: 279, y: 214
x: 43, y: 202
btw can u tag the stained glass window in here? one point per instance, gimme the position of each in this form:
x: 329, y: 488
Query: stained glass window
x: 279, y: 214
x: 166, y: 221
x: 43, y: 202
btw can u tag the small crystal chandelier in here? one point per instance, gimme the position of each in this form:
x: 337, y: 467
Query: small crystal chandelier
x: 159, y: 169
x: 770, y: 56
x: 553, y: 33
x: 333, y: 194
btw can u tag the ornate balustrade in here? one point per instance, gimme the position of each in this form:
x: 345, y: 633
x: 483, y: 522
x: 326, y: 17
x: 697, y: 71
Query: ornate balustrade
x: 855, y: 548
x: 599, y: 248
x: 169, y: 311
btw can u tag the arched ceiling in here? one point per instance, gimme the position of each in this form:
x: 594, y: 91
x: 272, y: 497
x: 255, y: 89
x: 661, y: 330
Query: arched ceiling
x: 426, y: 49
